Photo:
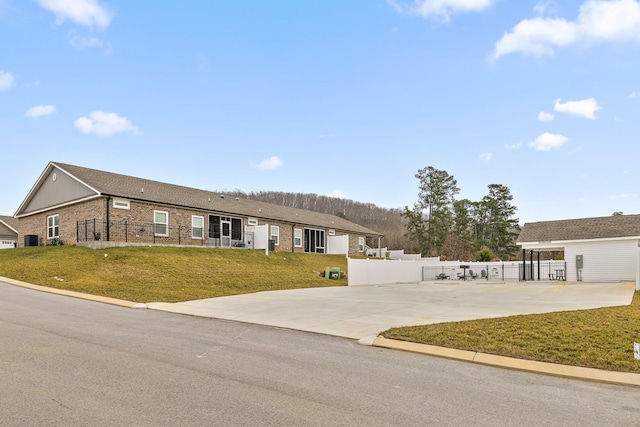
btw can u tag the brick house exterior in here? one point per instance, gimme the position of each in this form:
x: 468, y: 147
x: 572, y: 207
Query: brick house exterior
x: 77, y: 205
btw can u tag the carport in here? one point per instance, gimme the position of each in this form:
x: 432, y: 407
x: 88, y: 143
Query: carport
x: 602, y: 249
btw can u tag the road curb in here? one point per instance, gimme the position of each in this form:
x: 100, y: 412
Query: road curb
x: 106, y: 300
x: 589, y: 374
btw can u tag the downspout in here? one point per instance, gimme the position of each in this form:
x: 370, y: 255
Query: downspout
x: 108, y: 228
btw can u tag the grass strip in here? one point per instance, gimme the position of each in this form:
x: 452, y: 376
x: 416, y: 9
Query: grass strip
x: 599, y: 338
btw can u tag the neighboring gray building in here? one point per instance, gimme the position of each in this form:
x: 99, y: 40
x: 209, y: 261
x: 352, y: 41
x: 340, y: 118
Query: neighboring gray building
x: 8, y: 232
x: 80, y: 205
x: 595, y: 249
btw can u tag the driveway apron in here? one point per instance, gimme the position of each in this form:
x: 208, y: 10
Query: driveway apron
x: 359, y: 312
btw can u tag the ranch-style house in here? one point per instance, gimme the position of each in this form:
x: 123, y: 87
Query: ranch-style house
x: 76, y: 205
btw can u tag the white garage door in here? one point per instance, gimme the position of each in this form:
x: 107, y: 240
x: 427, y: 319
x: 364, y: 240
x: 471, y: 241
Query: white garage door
x: 5, y: 244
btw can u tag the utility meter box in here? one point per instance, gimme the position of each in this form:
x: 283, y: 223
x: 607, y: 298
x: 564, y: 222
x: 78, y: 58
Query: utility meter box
x: 579, y: 261
x: 332, y: 273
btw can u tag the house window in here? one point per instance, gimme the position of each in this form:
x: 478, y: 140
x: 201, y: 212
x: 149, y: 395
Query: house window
x: 360, y: 244
x: 252, y: 221
x: 197, y: 226
x: 297, y: 237
x: 275, y: 234
x: 53, y: 226
x: 121, y: 204
x: 161, y: 223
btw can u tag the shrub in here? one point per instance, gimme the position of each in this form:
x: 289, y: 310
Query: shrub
x: 485, y: 255
x: 56, y: 241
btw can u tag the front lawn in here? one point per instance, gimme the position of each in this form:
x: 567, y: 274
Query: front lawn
x: 167, y: 274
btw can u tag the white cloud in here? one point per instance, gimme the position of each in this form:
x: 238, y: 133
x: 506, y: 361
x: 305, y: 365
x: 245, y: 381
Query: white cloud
x: 547, y: 141
x: 585, y: 108
x: 105, y: 124
x: 598, y: 21
x: 337, y: 194
x: 80, y: 42
x: 40, y: 110
x: 545, y: 117
x: 633, y: 95
x: 88, y: 13
x: 513, y: 146
x: 486, y: 156
x: 546, y: 7
x: 271, y: 163
x: 440, y: 9
x: 623, y: 196
x: 6, y: 80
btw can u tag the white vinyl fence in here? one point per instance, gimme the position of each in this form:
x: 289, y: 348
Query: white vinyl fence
x: 379, y: 272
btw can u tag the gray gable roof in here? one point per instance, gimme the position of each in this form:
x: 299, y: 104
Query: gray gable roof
x: 128, y: 187
x: 10, y: 222
x: 607, y: 227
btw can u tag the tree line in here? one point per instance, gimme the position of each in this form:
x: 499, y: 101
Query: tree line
x: 437, y: 225
x: 440, y: 225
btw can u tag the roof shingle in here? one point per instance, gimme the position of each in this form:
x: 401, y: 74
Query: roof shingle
x: 614, y: 226
x: 10, y: 221
x: 116, y: 185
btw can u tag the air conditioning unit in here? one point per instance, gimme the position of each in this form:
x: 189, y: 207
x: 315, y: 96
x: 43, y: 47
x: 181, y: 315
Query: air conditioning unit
x: 31, y: 240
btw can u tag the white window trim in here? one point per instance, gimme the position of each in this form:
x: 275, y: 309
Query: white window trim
x: 51, y: 227
x: 201, y: 228
x: 295, y: 231
x: 361, y: 244
x: 121, y: 204
x: 275, y: 236
x: 161, y: 223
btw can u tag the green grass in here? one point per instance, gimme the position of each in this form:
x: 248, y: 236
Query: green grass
x: 167, y: 274
x: 600, y: 338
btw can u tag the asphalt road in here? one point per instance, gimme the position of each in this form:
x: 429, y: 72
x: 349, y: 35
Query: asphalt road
x: 65, y: 361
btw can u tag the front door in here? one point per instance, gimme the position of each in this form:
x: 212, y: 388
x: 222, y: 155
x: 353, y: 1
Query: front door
x: 225, y: 231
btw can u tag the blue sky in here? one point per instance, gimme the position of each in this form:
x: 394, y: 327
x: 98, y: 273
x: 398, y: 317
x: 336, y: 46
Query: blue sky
x: 342, y: 98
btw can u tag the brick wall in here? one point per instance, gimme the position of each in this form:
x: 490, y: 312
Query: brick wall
x: 143, y: 213
x: 68, y: 216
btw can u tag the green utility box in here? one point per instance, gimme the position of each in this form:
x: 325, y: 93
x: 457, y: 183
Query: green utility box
x: 332, y: 273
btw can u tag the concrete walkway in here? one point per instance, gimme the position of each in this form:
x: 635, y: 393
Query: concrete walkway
x: 362, y: 312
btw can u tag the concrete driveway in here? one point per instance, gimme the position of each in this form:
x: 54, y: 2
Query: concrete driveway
x: 362, y: 312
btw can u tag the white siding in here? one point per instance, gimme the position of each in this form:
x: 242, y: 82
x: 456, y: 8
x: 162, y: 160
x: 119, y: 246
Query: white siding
x: 603, y: 261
